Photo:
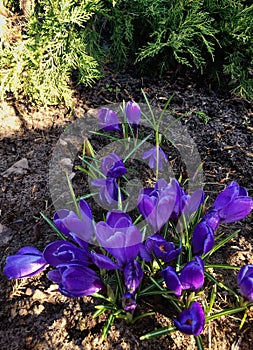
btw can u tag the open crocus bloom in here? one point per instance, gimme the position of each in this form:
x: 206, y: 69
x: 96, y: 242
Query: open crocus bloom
x: 158, y: 246
x: 192, y: 320
x: 69, y: 223
x: 156, y: 204
x: 119, y: 236
x: 27, y: 262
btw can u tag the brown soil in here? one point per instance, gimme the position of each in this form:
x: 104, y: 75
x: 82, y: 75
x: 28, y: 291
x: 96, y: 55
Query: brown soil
x: 33, y: 314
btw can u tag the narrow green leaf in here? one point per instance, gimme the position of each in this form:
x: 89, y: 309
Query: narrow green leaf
x: 135, y: 148
x: 52, y: 225
x: 107, y: 327
x: 158, y: 332
x: 73, y: 195
x: 199, y: 343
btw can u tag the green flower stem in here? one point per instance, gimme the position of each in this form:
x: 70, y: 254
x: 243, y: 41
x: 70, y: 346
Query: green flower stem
x: 141, y: 316
x: 244, y: 318
x: 119, y: 196
x: 158, y: 333
x: 73, y: 196
x: 199, y: 343
x: 157, y: 153
x: 221, y: 266
x: 119, y: 282
x: 228, y: 312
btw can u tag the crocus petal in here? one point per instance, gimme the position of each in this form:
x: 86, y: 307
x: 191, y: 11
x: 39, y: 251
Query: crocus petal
x: 172, y: 280
x: 202, y: 238
x: 133, y: 275
x: 113, y: 166
x: 103, y: 262
x: 236, y: 210
x: 27, y: 262
x: 152, y: 156
x: 227, y: 195
x: 118, y: 219
x: 60, y: 252
x: 68, y: 222
x: 108, y: 192
x: 212, y: 219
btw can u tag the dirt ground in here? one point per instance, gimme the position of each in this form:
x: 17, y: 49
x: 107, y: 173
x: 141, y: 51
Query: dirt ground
x: 33, y: 315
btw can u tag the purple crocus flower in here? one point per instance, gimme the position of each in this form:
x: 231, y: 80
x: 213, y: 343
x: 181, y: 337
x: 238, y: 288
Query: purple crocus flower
x: 108, y: 190
x: 133, y: 275
x: 212, y: 219
x: 181, y: 199
x: 119, y: 236
x: 113, y: 166
x: 202, y: 238
x: 192, y: 320
x: 128, y: 302
x: 156, y: 204
x: 79, y: 229
x: 158, y: 246
x: 75, y: 280
x: 245, y: 282
x: 133, y: 113
x: 192, y: 275
x: 27, y: 262
x: 172, y: 280
x: 233, y: 203
x: 152, y: 154
x: 63, y: 252
x: 108, y: 120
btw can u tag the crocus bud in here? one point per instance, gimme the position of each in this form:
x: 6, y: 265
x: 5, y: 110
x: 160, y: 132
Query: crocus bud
x: 202, y: 238
x: 133, y: 113
x: 27, y: 262
x: 108, y: 120
x: 192, y: 275
x: 245, y: 282
x: 128, y: 302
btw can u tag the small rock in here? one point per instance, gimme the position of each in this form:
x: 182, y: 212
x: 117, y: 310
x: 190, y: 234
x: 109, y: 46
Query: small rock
x: 39, y: 295
x: 23, y: 312
x: 5, y: 235
x: 18, y: 168
x: 29, y: 292
x: 38, y: 309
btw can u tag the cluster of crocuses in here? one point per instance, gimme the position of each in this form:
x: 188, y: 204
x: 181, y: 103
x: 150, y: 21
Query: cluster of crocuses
x: 89, y: 251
